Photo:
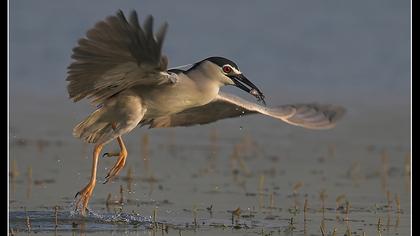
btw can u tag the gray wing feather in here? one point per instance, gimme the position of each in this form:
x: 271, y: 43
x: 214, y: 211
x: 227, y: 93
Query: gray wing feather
x: 312, y: 116
x: 115, y: 55
x: 315, y: 116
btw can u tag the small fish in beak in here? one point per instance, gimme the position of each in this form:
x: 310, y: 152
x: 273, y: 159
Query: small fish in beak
x: 242, y: 82
x: 258, y: 95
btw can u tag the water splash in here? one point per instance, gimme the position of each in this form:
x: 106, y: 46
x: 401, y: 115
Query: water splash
x: 121, y: 217
x: 70, y: 219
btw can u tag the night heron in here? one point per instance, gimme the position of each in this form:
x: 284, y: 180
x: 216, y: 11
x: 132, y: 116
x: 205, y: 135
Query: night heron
x: 120, y: 69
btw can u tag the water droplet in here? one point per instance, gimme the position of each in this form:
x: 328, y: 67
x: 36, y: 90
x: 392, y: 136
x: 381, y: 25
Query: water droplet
x: 240, y: 127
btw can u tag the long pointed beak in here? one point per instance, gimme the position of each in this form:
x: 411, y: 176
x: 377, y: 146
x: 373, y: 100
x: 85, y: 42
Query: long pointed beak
x: 240, y: 82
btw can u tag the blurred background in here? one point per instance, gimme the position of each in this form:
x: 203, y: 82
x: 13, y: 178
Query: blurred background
x: 350, y: 53
x: 354, y: 53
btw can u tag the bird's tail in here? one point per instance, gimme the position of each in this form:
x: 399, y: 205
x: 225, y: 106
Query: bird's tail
x: 92, y: 128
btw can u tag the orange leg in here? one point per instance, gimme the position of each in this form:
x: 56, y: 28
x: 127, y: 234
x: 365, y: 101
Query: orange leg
x: 122, y: 155
x: 86, y: 192
x: 114, y: 154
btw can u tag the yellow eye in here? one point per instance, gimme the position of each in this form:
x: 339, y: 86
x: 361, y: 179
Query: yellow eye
x: 227, y: 69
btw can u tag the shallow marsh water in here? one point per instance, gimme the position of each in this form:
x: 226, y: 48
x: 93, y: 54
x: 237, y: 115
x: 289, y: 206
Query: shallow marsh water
x: 267, y: 171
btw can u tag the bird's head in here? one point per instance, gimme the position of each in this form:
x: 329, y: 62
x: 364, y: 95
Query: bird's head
x: 226, y: 72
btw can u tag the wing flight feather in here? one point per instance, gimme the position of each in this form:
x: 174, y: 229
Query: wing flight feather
x: 115, y: 55
x: 311, y: 116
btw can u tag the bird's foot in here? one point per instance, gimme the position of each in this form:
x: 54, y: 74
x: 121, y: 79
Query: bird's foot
x: 117, y: 166
x: 111, y: 154
x: 84, y: 196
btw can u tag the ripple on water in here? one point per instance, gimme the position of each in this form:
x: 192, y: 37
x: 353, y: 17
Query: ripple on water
x: 41, y: 221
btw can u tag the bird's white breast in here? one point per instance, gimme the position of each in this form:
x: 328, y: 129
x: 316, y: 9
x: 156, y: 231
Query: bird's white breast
x: 173, y: 98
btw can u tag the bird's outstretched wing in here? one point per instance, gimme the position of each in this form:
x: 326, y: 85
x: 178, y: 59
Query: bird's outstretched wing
x: 311, y: 116
x: 116, y: 54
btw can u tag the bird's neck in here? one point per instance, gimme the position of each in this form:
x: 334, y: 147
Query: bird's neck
x: 204, y: 76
